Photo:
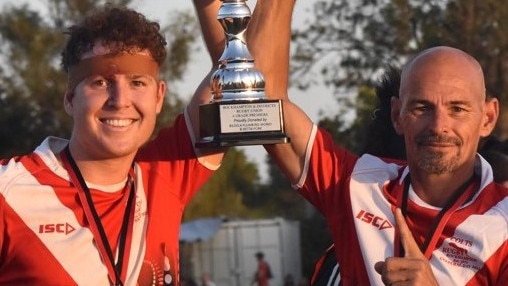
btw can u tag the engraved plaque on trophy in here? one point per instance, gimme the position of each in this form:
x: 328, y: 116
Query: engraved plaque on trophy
x: 239, y: 112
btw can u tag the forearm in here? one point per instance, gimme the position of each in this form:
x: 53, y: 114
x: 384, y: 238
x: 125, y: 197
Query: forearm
x: 213, y: 37
x: 211, y: 30
x: 290, y: 158
x: 268, y: 38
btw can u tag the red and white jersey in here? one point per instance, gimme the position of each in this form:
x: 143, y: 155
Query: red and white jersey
x: 358, y: 195
x: 45, y: 238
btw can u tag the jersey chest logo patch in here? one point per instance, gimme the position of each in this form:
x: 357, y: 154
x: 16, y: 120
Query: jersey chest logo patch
x: 456, y: 252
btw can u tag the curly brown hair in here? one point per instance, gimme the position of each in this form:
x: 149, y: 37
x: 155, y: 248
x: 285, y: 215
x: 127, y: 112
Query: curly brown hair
x: 120, y: 28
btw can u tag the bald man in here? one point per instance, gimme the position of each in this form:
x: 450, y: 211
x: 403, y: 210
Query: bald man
x: 437, y: 218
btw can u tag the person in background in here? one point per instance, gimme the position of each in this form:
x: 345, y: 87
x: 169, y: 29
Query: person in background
x: 495, y: 152
x: 263, y: 272
x: 104, y: 206
x: 405, y: 222
x: 304, y: 281
x: 206, y: 280
x: 289, y: 280
x: 188, y: 282
x: 382, y: 139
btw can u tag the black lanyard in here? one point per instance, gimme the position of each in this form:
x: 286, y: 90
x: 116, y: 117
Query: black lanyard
x: 114, y: 269
x: 437, y: 227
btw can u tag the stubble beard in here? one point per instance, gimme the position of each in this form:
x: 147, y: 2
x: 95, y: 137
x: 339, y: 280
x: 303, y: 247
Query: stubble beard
x: 435, y: 163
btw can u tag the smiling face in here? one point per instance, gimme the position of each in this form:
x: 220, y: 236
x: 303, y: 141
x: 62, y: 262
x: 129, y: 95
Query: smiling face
x: 114, y: 103
x: 442, y: 111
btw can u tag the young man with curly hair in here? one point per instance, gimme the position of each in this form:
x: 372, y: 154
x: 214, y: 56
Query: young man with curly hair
x: 104, y: 206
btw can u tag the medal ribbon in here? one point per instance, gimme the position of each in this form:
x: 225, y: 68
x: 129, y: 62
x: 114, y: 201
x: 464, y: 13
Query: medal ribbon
x: 440, y: 221
x: 115, y: 270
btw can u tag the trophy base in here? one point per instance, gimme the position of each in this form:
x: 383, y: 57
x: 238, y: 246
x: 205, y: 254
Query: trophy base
x: 230, y: 140
x: 241, y: 123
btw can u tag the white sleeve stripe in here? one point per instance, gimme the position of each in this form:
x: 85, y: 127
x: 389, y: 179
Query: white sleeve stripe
x: 308, y: 152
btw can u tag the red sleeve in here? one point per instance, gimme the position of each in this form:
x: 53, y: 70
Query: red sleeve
x: 330, y: 167
x: 170, y: 159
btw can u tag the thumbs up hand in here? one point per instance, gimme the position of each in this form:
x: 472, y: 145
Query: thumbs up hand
x: 413, y: 268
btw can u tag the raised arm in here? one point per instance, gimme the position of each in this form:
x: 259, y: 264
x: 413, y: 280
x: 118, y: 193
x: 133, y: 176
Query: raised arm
x: 213, y: 37
x: 268, y: 38
x: 212, y: 32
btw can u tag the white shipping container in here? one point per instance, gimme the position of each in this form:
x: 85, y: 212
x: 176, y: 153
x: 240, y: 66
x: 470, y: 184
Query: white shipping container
x: 229, y: 256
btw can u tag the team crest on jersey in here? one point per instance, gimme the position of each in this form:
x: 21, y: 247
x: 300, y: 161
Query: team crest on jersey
x: 456, y: 252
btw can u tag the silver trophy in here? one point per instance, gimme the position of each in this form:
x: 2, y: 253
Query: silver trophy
x: 239, y: 112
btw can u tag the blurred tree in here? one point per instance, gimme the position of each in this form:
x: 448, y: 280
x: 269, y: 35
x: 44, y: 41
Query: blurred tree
x: 223, y: 195
x: 276, y: 197
x: 32, y: 84
x: 352, y: 135
x: 282, y: 200
x: 348, y: 43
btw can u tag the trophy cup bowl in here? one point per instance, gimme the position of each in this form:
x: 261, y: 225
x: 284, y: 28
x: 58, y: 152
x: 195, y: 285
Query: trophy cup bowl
x: 239, y: 112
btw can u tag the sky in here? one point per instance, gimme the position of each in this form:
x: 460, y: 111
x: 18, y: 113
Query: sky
x: 314, y: 102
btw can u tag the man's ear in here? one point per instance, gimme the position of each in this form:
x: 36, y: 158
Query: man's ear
x: 161, y: 93
x: 67, y: 101
x: 490, y: 116
x: 395, y: 114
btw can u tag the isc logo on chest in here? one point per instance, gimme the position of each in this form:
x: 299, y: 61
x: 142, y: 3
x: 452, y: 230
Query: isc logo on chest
x: 374, y: 220
x: 56, y: 228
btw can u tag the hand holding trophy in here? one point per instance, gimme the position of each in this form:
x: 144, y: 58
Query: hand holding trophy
x: 239, y: 112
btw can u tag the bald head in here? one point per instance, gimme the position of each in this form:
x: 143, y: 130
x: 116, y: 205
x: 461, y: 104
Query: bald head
x: 440, y: 64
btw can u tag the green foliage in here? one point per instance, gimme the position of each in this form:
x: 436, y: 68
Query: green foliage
x: 315, y: 239
x: 30, y: 79
x: 181, y: 34
x: 223, y: 194
x: 352, y: 135
x: 277, y: 197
